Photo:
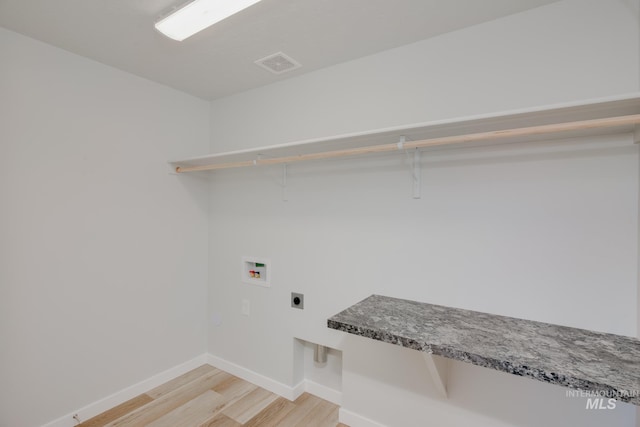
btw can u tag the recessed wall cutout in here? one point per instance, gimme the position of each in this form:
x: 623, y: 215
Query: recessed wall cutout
x: 323, y: 379
x: 256, y: 271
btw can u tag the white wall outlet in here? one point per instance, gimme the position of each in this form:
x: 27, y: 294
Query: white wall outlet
x: 246, y: 307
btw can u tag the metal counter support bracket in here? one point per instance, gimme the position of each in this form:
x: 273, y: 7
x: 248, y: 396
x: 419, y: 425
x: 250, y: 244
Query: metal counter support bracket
x: 439, y: 370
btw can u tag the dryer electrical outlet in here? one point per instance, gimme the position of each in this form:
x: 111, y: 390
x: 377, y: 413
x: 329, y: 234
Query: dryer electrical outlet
x: 297, y: 300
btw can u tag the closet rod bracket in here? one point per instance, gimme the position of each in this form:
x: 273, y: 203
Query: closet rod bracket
x: 417, y: 174
x: 284, y: 183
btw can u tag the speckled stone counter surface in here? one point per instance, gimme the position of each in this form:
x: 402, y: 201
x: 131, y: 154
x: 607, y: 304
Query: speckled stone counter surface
x: 576, y: 358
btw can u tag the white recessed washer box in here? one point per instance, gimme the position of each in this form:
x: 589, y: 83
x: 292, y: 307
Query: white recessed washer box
x: 256, y: 271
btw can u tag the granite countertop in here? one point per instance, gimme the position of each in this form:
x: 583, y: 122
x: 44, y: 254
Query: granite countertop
x: 576, y: 358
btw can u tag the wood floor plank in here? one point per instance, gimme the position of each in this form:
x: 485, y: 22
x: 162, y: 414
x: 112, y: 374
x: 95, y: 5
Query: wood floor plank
x: 194, y: 412
x: 249, y: 406
x: 272, y: 415
x: 208, y: 397
x: 324, y: 414
x: 170, y: 401
x: 117, y: 411
x: 180, y: 381
x: 234, y: 389
x: 304, y: 404
x: 221, y: 420
x: 305, y: 398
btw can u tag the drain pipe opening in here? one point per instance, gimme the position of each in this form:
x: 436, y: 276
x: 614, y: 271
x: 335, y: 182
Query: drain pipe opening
x: 320, y: 354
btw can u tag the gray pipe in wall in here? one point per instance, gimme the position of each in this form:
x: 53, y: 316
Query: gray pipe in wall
x: 320, y: 354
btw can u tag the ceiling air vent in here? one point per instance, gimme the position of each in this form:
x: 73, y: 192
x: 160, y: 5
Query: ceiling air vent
x: 278, y: 63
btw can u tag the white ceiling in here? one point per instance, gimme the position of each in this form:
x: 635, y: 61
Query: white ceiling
x: 220, y: 60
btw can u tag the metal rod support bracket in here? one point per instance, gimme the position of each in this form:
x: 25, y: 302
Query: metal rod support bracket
x: 417, y: 175
x: 284, y: 183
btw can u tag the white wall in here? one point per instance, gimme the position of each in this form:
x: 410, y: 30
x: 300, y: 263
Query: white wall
x: 566, y: 51
x: 102, y: 252
x: 636, y: 6
x: 545, y: 232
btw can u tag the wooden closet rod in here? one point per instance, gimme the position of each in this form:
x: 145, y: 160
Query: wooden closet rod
x: 431, y: 142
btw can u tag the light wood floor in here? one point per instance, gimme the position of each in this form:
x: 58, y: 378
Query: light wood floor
x: 209, y: 397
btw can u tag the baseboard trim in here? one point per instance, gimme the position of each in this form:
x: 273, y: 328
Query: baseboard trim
x: 323, y: 392
x: 299, y: 389
x: 355, y: 420
x: 115, y: 399
x: 288, y: 392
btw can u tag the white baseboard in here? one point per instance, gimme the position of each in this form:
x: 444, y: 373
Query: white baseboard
x: 323, y: 392
x: 298, y: 390
x: 355, y: 420
x: 288, y: 392
x: 260, y: 380
x: 122, y: 396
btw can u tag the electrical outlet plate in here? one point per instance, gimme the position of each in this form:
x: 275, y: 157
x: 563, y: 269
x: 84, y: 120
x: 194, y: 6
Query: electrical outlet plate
x: 246, y: 307
x: 300, y: 304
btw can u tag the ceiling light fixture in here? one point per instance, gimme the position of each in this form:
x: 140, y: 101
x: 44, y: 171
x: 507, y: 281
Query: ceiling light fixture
x: 196, y: 15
